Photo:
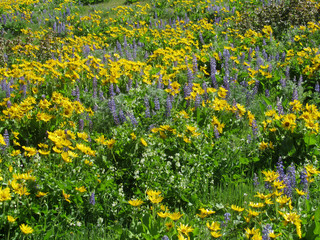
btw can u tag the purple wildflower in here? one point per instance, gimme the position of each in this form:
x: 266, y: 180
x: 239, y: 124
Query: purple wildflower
x: 122, y: 116
x: 113, y: 110
x: 267, y: 229
x: 81, y: 125
x: 295, y: 95
x: 304, y: 181
x: 156, y: 104
x: 147, y: 105
x: 279, y: 106
x: 111, y: 90
x: 254, y: 127
x: 92, y: 199
x: 133, y: 119
x: 168, y: 106
x: 283, y: 82
x: 317, y: 87
x: 267, y: 93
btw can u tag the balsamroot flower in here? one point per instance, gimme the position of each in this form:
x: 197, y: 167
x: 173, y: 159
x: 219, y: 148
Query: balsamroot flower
x: 26, y: 229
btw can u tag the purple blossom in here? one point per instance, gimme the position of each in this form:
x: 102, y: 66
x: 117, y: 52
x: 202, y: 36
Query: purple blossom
x: 94, y: 87
x: 9, y: 104
x: 122, y: 116
x: 147, y: 105
x: 280, y: 169
x: 133, y: 119
x: 194, y: 64
x: 304, y: 181
x: 190, y: 77
x: 317, y: 87
x: 129, y: 85
x: 267, y: 93
x: 295, y: 94
x: 160, y: 85
x: 255, y: 180
x: 283, y: 82
x: 168, y: 106
x: 156, y: 104
x: 92, y: 199
x: 267, y: 229
x: 227, y: 217
x: 279, y: 106
x: 113, y: 110
x: 201, y: 38
x: 6, y: 137
x: 81, y: 125
x: 111, y: 90
x: 254, y: 127
x: 204, y: 87
x: 288, y: 73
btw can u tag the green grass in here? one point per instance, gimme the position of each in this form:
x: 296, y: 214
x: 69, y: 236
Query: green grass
x: 104, y: 6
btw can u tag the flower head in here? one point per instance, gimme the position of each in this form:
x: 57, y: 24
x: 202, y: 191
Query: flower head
x: 26, y: 229
x: 185, y: 229
x: 135, y: 202
x: 11, y: 219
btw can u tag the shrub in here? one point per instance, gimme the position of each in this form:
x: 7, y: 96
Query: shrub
x: 87, y: 2
x: 280, y: 16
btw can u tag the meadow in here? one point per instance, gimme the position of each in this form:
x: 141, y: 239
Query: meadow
x: 159, y: 119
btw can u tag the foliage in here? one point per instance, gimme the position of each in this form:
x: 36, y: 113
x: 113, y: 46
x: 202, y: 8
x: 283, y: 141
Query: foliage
x: 280, y: 15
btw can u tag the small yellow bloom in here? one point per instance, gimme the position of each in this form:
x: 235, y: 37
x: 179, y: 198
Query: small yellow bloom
x: 175, y: 216
x: 153, y: 193
x: 205, y: 212
x: 169, y: 225
x: 26, y: 229
x: 110, y: 143
x: 236, y: 208
x: 133, y: 136
x: 66, y: 196
x: 300, y: 192
x: 135, y: 202
x: 216, y: 234
x: 81, y: 189
x: 41, y: 194
x: 222, y: 93
x: 11, y: 219
x: 155, y: 199
x: 2, y: 140
x: 253, y: 213
x: 185, y: 229
x: 163, y: 214
x: 256, y: 205
x: 215, y: 226
x: 144, y: 143
x: 270, y: 176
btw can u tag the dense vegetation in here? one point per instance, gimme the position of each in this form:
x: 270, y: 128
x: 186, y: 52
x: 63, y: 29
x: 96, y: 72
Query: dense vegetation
x: 160, y: 119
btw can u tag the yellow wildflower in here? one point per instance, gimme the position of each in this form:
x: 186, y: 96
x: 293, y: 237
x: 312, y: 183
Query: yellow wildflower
x: 11, y: 219
x: 214, y: 226
x: 185, y: 229
x: 236, y: 208
x: 26, y: 229
x: 175, y: 216
x: 135, y: 202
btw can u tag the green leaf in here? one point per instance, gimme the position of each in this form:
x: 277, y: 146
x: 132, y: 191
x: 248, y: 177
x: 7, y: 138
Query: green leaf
x: 244, y: 160
x: 267, y: 100
x: 317, y: 222
x: 310, y: 140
